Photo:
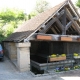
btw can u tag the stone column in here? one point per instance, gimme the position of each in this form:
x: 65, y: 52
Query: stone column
x: 23, y: 56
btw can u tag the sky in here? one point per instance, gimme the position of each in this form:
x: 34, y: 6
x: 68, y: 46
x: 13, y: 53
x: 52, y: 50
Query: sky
x: 26, y: 5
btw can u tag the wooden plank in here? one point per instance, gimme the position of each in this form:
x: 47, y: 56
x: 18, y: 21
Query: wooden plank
x: 59, y: 14
x: 78, y: 39
x: 68, y: 25
x: 57, y: 58
x: 72, y: 32
x: 48, y: 25
x: 59, y: 24
x: 53, y: 30
x: 44, y: 37
x: 75, y: 18
x: 70, y: 10
x: 67, y: 47
x: 52, y: 21
x: 78, y: 22
x: 73, y: 22
x: 74, y: 9
x: 51, y: 48
x: 57, y: 28
x: 64, y: 22
x: 72, y: 28
x: 65, y: 38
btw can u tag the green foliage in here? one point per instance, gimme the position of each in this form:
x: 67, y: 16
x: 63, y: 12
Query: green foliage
x: 78, y: 3
x: 9, y: 21
x: 32, y: 14
x: 8, y: 15
x: 41, y: 5
x: 29, y: 16
x: 11, y: 18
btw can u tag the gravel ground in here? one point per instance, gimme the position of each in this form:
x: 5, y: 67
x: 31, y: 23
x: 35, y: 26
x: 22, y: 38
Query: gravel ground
x: 9, y: 72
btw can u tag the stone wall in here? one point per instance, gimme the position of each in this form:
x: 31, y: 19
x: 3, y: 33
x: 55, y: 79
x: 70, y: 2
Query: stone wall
x: 19, y: 54
x: 10, y: 50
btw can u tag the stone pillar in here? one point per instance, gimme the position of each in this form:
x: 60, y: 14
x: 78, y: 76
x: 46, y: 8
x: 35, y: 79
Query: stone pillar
x: 23, y: 56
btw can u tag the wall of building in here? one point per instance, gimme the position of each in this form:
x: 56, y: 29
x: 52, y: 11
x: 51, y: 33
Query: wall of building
x: 19, y: 54
x: 10, y: 50
x: 74, y: 47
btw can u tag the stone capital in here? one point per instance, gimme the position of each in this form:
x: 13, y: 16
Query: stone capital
x: 25, y: 44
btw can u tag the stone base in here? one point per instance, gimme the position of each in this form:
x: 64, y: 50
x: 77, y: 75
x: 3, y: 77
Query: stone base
x: 24, y: 69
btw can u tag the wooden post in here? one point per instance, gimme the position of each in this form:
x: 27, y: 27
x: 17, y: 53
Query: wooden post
x: 64, y: 22
x: 51, y: 48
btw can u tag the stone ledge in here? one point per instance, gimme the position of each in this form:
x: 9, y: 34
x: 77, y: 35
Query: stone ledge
x: 26, y: 44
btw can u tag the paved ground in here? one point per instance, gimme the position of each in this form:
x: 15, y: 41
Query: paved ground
x: 9, y: 72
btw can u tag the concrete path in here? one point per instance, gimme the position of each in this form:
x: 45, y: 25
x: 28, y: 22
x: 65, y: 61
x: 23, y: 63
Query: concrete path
x: 9, y: 72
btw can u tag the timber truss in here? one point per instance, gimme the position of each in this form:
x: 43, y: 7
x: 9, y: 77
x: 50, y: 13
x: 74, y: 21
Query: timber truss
x: 66, y: 21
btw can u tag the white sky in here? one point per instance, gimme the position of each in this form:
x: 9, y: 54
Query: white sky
x: 26, y: 5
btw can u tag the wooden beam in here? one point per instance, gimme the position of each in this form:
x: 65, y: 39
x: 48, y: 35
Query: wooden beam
x: 78, y: 22
x: 59, y: 24
x: 68, y: 25
x: 57, y: 29
x: 70, y: 10
x: 53, y: 30
x: 59, y: 14
x: 73, y: 22
x: 64, y: 22
x: 44, y: 37
x: 74, y: 9
x: 72, y: 29
x: 54, y: 37
x: 75, y: 18
x: 52, y: 21
x: 72, y: 32
x: 51, y: 48
x: 48, y: 25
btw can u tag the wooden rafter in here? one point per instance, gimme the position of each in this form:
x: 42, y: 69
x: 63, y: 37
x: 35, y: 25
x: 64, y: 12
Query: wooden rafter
x: 57, y: 29
x: 71, y: 11
x: 53, y: 30
x: 72, y: 28
x: 48, y: 25
x: 64, y: 22
x: 59, y: 24
x: 68, y: 25
x: 73, y: 22
x: 75, y: 18
x: 72, y: 32
x: 59, y: 14
x: 78, y: 22
x: 72, y: 6
x: 55, y: 18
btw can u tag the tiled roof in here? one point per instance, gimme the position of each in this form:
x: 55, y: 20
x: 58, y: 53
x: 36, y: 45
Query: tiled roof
x: 28, y: 27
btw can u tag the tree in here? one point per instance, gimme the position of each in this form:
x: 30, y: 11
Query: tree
x: 78, y: 3
x: 9, y: 21
x: 32, y: 14
x: 41, y: 6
